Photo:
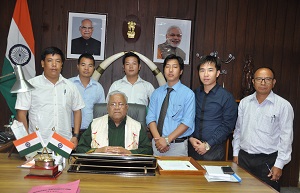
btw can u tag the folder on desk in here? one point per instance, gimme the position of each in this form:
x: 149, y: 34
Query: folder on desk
x: 215, y: 173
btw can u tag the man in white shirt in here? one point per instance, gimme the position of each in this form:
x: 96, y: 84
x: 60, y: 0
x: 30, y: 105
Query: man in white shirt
x: 136, y: 89
x: 263, y: 134
x: 51, y: 103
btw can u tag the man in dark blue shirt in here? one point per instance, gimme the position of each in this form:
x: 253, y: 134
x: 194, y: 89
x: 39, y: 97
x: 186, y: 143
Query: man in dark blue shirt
x: 216, y: 113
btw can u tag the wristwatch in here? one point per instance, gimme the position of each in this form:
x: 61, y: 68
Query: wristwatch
x: 75, y: 135
x: 167, y: 140
x: 207, y: 146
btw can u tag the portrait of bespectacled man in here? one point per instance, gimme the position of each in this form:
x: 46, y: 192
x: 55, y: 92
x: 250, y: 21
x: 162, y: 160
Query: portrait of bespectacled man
x: 86, y: 34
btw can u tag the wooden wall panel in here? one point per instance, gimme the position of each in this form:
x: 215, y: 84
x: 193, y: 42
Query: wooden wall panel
x: 268, y: 30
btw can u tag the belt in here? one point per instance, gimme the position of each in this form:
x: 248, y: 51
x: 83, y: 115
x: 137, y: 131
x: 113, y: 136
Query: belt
x: 258, y: 154
x: 179, y: 140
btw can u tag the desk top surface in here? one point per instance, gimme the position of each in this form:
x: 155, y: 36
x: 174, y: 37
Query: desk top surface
x: 12, y: 180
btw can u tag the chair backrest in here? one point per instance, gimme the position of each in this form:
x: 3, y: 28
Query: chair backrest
x: 135, y: 111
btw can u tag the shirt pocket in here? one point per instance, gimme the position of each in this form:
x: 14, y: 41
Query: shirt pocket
x: 67, y: 99
x: 177, y: 111
x: 267, y: 124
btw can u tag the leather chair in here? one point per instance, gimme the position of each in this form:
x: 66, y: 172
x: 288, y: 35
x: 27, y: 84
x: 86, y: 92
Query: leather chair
x: 135, y: 111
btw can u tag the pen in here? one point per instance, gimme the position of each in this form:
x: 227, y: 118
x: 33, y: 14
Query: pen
x: 270, y: 168
x: 273, y: 118
x: 65, y: 92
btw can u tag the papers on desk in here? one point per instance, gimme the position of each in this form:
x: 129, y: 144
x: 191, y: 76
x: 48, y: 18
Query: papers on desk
x: 27, y: 164
x: 176, y: 165
x: 215, y: 174
x: 72, y: 187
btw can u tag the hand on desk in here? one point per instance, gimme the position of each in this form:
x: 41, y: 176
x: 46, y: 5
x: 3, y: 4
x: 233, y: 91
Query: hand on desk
x: 112, y: 149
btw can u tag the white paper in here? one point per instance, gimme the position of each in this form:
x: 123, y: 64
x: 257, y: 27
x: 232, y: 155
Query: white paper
x: 18, y: 129
x: 27, y: 164
x: 176, y: 165
x: 215, y: 174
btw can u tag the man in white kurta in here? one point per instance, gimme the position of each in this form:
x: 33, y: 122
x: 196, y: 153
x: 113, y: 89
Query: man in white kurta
x: 51, y: 103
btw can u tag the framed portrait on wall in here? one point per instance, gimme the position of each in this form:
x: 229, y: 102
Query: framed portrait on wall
x: 172, y: 36
x: 86, y: 34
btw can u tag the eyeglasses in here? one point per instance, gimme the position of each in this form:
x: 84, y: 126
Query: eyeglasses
x: 115, y: 105
x: 268, y: 80
x: 86, y: 28
x: 173, y: 35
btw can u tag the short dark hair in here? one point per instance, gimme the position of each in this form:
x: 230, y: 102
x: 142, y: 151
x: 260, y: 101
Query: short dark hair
x: 210, y: 59
x: 172, y: 57
x: 131, y: 54
x: 52, y: 51
x: 86, y: 55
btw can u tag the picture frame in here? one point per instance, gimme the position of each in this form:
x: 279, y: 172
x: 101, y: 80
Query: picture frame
x: 161, y: 39
x: 86, y: 39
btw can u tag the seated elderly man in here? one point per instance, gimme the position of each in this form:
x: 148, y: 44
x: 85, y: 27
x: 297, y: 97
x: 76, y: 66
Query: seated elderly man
x: 115, y: 132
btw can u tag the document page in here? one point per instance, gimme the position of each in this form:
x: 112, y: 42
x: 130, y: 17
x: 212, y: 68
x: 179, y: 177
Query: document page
x: 176, y: 165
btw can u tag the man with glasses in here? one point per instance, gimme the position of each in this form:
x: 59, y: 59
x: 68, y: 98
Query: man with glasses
x: 115, y: 132
x: 173, y: 39
x: 85, y: 43
x: 263, y: 135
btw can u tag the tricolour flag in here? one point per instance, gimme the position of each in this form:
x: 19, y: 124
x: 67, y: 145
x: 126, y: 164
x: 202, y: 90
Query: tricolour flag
x: 28, y: 144
x: 19, y: 51
x: 60, y: 145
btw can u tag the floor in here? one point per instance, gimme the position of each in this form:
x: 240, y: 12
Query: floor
x: 290, y: 190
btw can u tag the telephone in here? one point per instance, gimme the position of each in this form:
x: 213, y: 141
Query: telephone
x: 3, y: 138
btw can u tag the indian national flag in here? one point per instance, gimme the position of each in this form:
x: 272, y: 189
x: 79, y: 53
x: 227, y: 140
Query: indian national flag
x: 60, y: 145
x: 28, y: 144
x: 19, y: 51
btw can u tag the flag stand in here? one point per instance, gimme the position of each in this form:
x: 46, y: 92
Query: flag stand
x: 44, y: 167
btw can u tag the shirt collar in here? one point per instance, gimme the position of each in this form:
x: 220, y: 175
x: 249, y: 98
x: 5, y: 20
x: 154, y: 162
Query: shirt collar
x: 124, y: 79
x: 77, y: 79
x: 213, y: 90
x: 123, y: 122
x: 270, y: 97
x: 175, y: 87
x: 60, y: 79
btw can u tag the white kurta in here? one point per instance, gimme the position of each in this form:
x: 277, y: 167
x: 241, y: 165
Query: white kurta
x: 50, y: 106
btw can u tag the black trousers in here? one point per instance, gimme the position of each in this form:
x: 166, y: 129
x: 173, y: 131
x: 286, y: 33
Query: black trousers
x: 216, y: 153
x: 256, y: 164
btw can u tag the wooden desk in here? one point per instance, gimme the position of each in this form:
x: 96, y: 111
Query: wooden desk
x: 12, y: 180
x: 4, y: 148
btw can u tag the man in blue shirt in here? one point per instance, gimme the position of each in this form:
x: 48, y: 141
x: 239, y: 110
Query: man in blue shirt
x: 171, y: 139
x: 216, y: 113
x: 91, y: 91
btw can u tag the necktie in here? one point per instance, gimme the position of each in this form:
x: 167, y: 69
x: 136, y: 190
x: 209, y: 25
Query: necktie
x: 163, y: 111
